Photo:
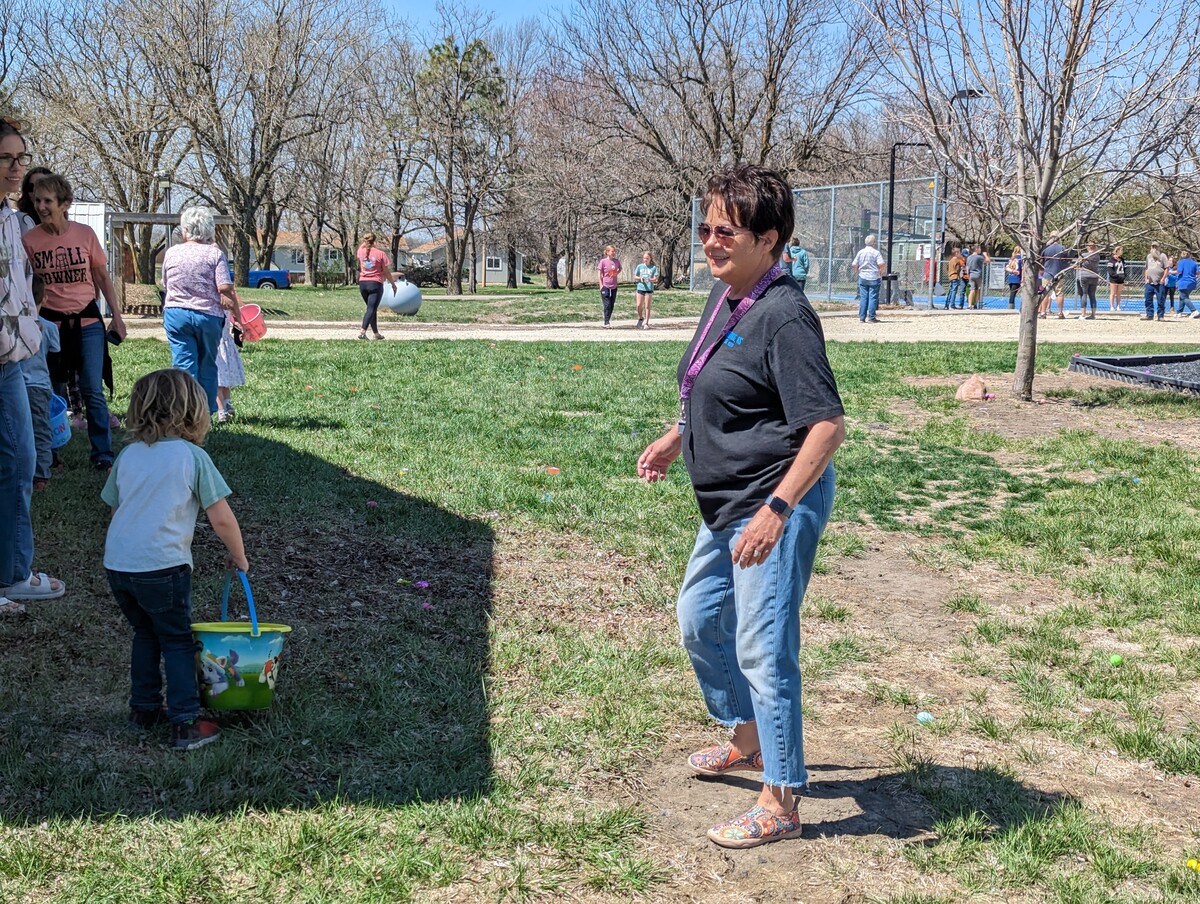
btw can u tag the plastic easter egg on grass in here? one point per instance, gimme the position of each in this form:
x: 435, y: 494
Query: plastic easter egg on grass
x: 404, y: 299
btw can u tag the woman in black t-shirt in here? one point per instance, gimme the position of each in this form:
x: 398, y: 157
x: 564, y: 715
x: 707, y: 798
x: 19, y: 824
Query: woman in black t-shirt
x: 1116, y: 278
x: 760, y: 419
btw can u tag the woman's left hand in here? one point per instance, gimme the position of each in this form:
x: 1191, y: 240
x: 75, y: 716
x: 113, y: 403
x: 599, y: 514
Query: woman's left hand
x: 758, y: 538
x: 117, y: 325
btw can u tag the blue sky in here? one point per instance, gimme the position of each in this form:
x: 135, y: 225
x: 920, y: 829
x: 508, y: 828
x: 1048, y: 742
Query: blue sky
x: 505, y: 12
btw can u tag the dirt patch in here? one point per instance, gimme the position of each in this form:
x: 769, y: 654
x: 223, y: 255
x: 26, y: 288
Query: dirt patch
x: 1050, y: 414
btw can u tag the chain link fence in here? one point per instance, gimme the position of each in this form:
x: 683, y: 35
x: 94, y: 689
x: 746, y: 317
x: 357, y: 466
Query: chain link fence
x: 996, y: 294
x: 833, y: 221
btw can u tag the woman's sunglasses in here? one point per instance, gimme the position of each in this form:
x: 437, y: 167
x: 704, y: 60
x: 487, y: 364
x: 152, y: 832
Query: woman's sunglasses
x: 723, y: 233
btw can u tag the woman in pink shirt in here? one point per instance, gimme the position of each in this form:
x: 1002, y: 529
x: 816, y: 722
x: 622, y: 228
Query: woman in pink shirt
x: 372, y: 271
x: 74, y: 271
x: 610, y: 269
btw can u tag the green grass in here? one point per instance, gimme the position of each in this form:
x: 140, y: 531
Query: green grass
x: 477, y: 737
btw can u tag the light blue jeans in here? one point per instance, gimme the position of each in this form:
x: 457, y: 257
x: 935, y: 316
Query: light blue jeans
x: 868, y: 298
x: 194, y: 339
x: 17, y: 457
x: 1185, y: 301
x: 741, y: 629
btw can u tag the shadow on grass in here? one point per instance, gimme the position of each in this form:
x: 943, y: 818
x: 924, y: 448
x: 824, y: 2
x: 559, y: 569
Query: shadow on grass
x: 381, y: 690
x: 881, y: 804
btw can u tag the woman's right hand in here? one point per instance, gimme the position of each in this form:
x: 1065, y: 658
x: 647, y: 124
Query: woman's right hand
x: 656, y: 458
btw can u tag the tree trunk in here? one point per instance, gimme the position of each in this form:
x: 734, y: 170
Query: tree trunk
x: 243, y: 229
x: 312, y: 251
x: 396, y: 244
x: 270, y: 233
x: 454, y: 282
x: 572, y: 237
x: 1027, y: 341
x: 473, y: 279
x: 144, y: 257
x: 512, y: 265
x: 552, y: 263
x: 667, y: 277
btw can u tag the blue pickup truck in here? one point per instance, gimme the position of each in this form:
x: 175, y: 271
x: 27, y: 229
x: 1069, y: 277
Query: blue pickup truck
x: 267, y: 279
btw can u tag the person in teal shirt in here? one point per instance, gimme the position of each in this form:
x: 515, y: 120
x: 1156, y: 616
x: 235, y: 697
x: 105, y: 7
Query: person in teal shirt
x: 646, y: 274
x: 795, y: 255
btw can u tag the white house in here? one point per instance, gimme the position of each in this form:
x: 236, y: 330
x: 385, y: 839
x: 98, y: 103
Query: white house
x: 491, y: 269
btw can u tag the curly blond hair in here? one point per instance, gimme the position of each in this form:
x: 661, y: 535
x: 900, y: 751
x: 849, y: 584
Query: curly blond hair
x: 168, y: 403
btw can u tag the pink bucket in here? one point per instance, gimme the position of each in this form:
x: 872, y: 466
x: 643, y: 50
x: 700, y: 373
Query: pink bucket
x: 253, y: 325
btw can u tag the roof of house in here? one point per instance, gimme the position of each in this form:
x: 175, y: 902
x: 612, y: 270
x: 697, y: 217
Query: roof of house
x: 440, y: 242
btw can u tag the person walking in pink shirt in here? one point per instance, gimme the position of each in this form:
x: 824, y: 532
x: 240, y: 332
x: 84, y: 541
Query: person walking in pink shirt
x: 610, y: 269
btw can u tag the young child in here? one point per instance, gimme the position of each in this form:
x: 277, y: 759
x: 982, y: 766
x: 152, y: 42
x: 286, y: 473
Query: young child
x: 230, y: 372
x: 156, y: 488
x: 36, y: 372
x: 647, y: 276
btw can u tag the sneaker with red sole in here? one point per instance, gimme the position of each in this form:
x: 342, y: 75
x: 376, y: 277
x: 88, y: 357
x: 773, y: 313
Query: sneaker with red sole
x: 193, y: 734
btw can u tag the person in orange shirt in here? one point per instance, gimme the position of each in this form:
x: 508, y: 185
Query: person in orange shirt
x: 68, y: 258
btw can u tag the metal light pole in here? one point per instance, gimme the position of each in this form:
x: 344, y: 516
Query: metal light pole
x: 963, y: 96
x: 890, y: 277
x: 164, y: 185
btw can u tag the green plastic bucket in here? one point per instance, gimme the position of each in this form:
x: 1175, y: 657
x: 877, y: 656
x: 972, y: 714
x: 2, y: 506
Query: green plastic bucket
x: 238, y: 662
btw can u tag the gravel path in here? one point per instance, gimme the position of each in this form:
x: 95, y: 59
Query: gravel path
x: 895, y: 326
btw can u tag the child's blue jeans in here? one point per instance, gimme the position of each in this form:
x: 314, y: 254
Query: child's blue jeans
x: 159, y: 606
x: 741, y: 628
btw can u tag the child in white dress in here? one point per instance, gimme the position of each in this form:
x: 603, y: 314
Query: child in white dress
x: 230, y: 372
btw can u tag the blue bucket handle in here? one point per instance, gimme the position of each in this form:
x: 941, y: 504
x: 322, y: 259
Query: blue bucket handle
x: 254, y: 632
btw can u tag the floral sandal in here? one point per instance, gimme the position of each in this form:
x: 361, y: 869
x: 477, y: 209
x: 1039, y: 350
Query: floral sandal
x: 722, y: 758
x: 10, y: 607
x: 756, y: 826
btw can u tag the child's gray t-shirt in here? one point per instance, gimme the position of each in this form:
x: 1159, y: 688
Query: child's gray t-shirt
x: 156, y: 492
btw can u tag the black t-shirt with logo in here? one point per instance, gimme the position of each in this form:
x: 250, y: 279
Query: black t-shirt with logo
x: 752, y: 404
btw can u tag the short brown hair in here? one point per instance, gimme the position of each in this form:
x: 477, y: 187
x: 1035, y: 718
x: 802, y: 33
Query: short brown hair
x: 755, y: 198
x: 55, y: 185
x: 168, y: 403
x: 369, y: 239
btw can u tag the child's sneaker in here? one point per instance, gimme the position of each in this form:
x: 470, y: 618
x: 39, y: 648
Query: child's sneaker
x: 193, y: 734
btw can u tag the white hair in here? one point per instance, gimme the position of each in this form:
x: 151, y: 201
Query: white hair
x: 870, y: 241
x: 198, y: 223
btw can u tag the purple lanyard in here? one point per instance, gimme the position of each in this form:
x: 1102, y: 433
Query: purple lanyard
x: 696, y: 364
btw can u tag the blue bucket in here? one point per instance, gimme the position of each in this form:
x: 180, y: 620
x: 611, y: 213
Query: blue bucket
x: 60, y: 424
x: 238, y: 662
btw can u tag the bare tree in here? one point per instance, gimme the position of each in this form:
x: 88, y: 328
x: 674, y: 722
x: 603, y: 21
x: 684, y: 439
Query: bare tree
x: 1179, y: 191
x: 691, y: 85
x: 13, y: 40
x: 564, y: 168
x: 1066, y: 106
x: 249, y: 78
x: 122, y: 129
x: 458, y: 101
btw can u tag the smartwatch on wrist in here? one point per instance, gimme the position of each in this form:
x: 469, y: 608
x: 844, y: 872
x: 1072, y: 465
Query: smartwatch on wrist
x: 778, y: 506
